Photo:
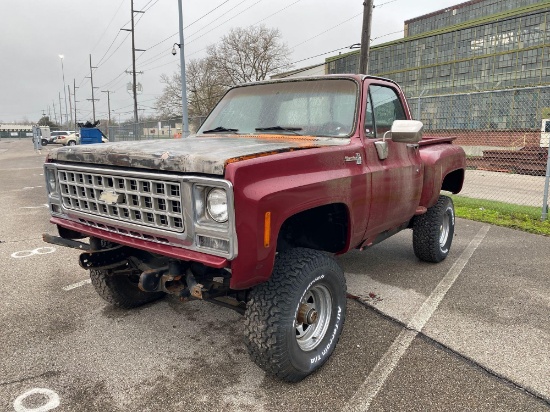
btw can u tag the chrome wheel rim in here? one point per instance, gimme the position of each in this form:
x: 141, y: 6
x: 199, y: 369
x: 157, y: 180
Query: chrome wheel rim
x: 444, y: 230
x: 313, y: 317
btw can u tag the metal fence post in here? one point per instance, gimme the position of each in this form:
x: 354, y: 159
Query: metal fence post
x: 546, y: 183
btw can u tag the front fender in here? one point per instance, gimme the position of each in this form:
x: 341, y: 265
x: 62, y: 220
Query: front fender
x: 284, y: 186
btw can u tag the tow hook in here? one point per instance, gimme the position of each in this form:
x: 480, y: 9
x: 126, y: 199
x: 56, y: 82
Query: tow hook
x: 195, y: 289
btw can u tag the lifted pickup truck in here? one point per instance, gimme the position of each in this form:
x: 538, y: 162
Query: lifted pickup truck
x: 249, y: 212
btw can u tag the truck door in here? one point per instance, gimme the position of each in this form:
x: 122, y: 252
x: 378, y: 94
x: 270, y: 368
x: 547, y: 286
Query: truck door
x: 396, y: 180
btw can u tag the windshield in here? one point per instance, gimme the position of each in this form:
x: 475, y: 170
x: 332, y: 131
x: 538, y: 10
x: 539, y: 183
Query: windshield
x: 307, y: 107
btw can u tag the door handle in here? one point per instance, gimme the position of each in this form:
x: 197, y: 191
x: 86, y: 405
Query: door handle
x: 413, y: 145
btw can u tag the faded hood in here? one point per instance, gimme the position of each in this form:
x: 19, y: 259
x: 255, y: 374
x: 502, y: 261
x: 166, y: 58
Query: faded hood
x: 207, y: 155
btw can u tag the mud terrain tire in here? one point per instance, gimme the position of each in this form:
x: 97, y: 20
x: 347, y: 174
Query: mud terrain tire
x: 294, y: 320
x: 120, y: 290
x: 434, y: 230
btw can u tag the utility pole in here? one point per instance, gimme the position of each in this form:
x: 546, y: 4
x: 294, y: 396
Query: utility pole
x: 134, y: 87
x: 365, y: 36
x: 74, y: 99
x: 109, y: 109
x: 70, y: 105
x: 65, y: 93
x: 54, y: 113
x: 92, y: 82
x: 60, y: 111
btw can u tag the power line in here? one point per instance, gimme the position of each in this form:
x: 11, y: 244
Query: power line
x: 383, y: 4
x: 327, y: 30
x: 109, y: 25
x: 277, y: 12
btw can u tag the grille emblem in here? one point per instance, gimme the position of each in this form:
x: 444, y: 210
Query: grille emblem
x: 110, y: 197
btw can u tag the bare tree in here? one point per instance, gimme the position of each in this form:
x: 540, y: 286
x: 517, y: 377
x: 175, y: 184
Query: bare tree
x: 244, y: 55
x: 249, y: 54
x: 204, y: 87
x: 168, y: 105
x: 203, y: 91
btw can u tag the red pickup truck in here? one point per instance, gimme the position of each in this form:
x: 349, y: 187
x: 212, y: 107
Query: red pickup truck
x: 249, y: 212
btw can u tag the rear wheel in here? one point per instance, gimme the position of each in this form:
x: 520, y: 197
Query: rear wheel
x: 434, y: 230
x: 294, y: 320
x: 121, y: 290
x: 71, y: 143
x: 44, y: 142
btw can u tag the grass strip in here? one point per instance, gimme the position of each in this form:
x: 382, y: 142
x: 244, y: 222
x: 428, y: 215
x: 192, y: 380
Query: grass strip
x: 526, y: 218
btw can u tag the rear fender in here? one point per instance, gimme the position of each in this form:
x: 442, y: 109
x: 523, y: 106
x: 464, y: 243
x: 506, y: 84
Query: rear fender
x: 444, y: 166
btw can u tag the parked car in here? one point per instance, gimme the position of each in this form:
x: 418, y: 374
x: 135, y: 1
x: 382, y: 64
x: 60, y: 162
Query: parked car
x: 74, y: 139
x: 57, y: 134
x: 68, y: 140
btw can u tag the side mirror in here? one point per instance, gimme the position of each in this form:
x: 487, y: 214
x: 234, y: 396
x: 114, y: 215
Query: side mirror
x: 406, y: 131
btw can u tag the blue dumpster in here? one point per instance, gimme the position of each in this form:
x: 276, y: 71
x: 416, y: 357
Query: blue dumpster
x: 90, y: 135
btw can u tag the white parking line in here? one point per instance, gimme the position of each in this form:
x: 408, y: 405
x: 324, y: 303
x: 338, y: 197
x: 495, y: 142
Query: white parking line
x: 77, y: 284
x: 371, y: 386
x: 45, y: 205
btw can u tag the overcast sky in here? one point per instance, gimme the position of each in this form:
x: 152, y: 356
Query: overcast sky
x: 33, y: 33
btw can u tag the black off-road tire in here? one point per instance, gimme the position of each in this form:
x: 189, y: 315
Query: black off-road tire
x: 281, y: 347
x: 44, y: 142
x: 434, y: 230
x: 120, y: 290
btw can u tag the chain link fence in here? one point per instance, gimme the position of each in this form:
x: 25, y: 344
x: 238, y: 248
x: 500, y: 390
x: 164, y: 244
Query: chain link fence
x: 505, y: 135
x: 158, y: 129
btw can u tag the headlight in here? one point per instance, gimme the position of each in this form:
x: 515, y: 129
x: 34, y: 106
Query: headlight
x: 216, y: 205
x: 51, y: 179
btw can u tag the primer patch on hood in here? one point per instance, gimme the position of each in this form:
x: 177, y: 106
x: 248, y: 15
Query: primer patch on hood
x: 208, y: 155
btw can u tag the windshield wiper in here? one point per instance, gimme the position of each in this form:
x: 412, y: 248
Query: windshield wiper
x: 221, y: 129
x: 279, y: 128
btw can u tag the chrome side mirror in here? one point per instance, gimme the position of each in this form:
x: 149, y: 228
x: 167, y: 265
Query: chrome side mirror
x: 406, y: 131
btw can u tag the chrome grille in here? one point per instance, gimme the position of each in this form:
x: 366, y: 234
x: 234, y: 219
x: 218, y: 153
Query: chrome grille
x: 148, y: 202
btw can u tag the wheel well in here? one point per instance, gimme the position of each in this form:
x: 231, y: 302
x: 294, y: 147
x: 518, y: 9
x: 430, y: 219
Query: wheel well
x: 453, y: 181
x: 321, y: 228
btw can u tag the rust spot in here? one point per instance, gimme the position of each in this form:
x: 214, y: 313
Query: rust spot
x: 255, y: 155
x: 271, y: 137
x: 248, y: 157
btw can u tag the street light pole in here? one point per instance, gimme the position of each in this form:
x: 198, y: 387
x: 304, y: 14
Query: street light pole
x: 185, y: 114
x: 64, y: 90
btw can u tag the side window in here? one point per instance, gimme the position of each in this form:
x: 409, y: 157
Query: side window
x: 386, y: 107
x: 369, y: 120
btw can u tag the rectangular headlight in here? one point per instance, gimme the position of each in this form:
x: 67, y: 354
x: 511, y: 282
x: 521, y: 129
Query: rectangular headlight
x: 212, y: 243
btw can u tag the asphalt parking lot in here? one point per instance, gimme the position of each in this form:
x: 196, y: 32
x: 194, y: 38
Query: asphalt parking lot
x: 469, y: 334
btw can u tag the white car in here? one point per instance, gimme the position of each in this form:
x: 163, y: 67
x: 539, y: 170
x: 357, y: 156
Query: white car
x: 57, y: 134
x: 74, y: 139
x: 68, y: 139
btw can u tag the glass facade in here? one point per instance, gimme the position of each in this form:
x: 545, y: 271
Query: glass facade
x: 462, y: 13
x: 504, y: 53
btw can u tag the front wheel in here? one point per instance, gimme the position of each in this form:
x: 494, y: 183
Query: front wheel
x: 72, y: 143
x: 434, y: 230
x: 294, y: 320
